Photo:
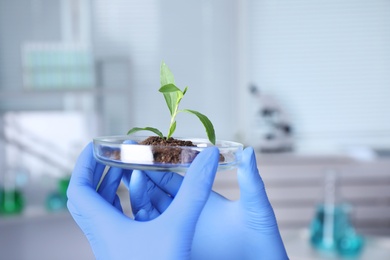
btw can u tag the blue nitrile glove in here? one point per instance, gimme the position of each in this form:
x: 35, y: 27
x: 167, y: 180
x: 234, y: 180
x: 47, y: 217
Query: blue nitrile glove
x: 113, y: 235
x: 242, y: 229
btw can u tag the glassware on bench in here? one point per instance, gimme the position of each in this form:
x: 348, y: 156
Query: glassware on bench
x: 331, y: 230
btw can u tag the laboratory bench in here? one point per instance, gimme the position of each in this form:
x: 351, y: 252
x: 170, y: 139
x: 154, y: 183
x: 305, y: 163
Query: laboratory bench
x: 295, y: 185
x: 297, y: 243
x: 48, y: 236
x: 38, y: 234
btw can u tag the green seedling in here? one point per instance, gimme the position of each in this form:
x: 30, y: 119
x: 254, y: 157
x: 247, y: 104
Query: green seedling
x: 173, y: 95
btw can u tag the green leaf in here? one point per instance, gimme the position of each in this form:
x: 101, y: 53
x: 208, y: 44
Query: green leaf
x: 206, y: 123
x: 169, y: 88
x: 172, y: 129
x: 185, y: 90
x: 172, y: 95
x: 137, y: 129
x: 166, y: 76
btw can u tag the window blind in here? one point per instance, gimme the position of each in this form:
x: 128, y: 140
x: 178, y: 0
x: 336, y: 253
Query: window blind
x: 328, y: 64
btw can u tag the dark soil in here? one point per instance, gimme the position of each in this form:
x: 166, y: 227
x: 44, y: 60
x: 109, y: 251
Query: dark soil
x: 156, y: 140
x: 164, y: 153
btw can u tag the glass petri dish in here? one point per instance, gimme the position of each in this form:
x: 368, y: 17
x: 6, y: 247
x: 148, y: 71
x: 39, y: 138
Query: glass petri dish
x: 126, y: 152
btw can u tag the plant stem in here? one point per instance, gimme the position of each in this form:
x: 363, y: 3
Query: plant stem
x: 173, y: 117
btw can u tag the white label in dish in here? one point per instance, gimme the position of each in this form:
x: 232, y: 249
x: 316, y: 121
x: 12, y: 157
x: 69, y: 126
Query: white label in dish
x: 136, y: 153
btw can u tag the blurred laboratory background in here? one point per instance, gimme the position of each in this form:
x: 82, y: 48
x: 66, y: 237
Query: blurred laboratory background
x: 306, y: 83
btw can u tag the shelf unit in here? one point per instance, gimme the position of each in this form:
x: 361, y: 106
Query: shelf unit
x: 98, y: 91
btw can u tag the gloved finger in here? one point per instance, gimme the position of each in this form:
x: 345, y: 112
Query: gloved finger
x: 110, y: 184
x: 99, y: 168
x: 139, y: 197
x: 258, y: 208
x: 169, y: 182
x: 84, y: 173
x: 195, y: 189
x: 142, y: 215
x: 160, y: 199
x: 252, y: 189
x: 81, y: 191
x: 77, y: 216
x: 166, y: 186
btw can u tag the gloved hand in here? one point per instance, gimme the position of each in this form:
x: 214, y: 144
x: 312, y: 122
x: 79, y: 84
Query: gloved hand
x: 242, y: 229
x: 113, y: 235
